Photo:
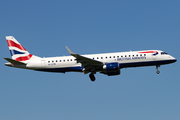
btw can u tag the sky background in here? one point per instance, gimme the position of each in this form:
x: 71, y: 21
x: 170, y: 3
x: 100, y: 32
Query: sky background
x: 45, y: 27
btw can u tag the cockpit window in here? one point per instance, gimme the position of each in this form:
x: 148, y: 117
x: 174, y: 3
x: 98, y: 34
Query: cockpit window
x: 164, y: 53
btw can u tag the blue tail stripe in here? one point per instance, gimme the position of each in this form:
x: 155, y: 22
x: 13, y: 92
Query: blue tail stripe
x: 13, y: 52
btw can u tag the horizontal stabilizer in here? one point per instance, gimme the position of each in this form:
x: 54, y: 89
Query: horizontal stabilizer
x: 14, y: 61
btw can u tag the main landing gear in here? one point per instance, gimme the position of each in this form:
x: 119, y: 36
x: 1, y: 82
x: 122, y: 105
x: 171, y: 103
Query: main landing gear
x: 92, y: 77
x: 157, y: 67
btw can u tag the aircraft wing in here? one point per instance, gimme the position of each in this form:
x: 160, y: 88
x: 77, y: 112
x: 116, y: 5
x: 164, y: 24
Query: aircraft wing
x: 87, y: 63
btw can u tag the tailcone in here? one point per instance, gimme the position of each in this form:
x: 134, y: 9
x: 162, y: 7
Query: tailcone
x: 9, y: 64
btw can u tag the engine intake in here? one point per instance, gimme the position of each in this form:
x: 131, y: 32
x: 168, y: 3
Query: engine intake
x: 111, y: 66
x: 111, y: 69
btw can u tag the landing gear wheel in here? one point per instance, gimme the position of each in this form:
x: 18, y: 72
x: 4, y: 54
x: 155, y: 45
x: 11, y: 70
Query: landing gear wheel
x: 92, y: 77
x: 157, y: 71
x: 157, y: 67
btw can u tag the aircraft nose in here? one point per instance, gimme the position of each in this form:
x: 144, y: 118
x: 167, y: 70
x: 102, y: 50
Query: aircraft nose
x: 175, y: 60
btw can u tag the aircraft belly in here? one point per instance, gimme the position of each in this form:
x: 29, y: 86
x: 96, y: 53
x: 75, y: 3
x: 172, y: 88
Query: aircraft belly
x: 62, y: 69
x: 145, y: 63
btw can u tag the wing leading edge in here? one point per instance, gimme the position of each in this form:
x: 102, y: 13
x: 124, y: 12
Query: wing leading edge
x: 88, y: 63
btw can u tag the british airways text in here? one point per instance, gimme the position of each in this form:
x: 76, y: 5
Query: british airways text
x: 129, y: 58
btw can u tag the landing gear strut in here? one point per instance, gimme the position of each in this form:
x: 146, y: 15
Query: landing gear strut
x: 92, y: 77
x: 157, y: 67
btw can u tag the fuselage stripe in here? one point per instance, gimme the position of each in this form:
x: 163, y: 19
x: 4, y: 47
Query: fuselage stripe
x: 149, y: 52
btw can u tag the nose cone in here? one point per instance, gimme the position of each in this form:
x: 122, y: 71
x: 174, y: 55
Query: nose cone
x: 174, y: 60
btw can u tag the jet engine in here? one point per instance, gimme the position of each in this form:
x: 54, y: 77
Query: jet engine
x: 111, y: 69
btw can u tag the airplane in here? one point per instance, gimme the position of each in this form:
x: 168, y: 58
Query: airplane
x: 107, y: 63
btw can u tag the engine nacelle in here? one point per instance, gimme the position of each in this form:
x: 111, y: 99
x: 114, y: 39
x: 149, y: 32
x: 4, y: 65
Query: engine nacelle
x: 111, y: 66
x: 111, y: 69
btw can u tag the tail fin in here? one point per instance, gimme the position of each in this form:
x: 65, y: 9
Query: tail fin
x: 18, y: 52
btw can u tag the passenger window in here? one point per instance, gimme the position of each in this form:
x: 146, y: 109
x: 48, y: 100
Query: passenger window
x: 137, y: 55
x: 52, y: 61
x: 133, y: 55
x: 129, y: 55
x: 64, y: 60
x: 56, y: 60
x: 117, y: 56
x: 125, y: 55
x: 48, y: 61
x: 140, y: 54
x: 101, y: 57
x: 97, y: 58
x: 121, y: 56
x: 106, y: 57
x: 110, y: 57
x: 59, y: 60
x: 144, y: 54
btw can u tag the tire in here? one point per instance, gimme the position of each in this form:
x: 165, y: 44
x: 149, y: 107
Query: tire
x: 92, y: 77
x: 157, y: 71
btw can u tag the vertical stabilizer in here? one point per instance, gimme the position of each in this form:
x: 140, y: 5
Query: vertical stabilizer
x: 18, y: 52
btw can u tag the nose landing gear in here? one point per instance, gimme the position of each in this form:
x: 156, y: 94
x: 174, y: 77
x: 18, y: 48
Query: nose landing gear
x: 157, y: 71
x: 157, y: 67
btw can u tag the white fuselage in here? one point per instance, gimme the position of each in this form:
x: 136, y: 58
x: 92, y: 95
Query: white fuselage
x: 125, y: 59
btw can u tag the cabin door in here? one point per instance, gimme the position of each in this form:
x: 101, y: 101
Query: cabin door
x: 43, y: 63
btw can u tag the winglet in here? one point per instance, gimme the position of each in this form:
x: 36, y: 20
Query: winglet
x: 70, y: 51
